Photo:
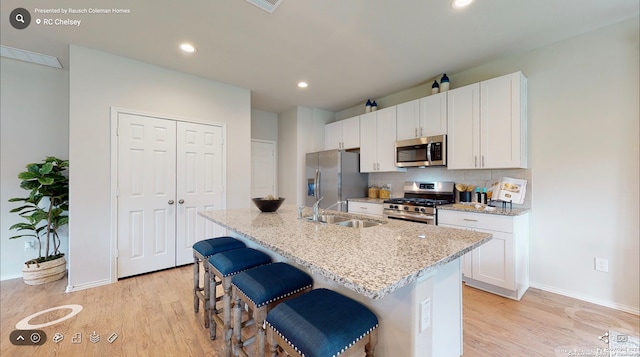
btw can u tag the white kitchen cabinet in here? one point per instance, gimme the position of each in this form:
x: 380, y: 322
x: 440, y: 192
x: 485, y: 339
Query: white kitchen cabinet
x: 422, y: 117
x: 366, y: 208
x: 377, y: 141
x: 343, y: 134
x: 408, y: 120
x: 487, y: 124
x: 500, y: 266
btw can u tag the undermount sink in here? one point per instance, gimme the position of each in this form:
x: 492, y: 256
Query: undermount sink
x: 329, y: 218
x: 344, y: 221
x: 356, y: 223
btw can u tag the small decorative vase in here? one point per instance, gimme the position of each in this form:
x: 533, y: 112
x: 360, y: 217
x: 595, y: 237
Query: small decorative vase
x: 435, y: 88
x: 444, y: 83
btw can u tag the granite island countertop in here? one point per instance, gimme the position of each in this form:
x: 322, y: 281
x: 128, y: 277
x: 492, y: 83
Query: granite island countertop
x: 497, y: 211
x: 373, y: 261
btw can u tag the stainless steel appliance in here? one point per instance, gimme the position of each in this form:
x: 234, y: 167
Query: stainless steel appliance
x: 420, y: 201
x: 427, y: 151
x: 333, y: 176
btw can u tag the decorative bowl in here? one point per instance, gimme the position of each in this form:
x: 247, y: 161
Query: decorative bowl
x: 268, y: 205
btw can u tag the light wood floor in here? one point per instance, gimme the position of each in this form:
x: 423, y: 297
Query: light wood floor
x: 153, y: 316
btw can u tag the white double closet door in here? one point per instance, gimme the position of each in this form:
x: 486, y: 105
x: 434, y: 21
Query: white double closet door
x: 168, y: 171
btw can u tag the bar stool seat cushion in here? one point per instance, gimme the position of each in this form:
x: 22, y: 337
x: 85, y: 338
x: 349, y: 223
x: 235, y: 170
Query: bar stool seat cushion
x: 208, y: 247
x: 237, y: 260
x: 321, y: 323
x: 271, y: 282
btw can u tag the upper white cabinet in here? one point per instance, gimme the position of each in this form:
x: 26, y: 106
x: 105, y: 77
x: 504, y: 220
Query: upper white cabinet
x: 487, y: 124
x: 377, y: 141
x: 422, y: 117
x: 343, y: 134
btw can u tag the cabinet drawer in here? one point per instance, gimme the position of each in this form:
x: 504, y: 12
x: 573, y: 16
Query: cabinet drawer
x: 372, y: 209
x: 476, y: 220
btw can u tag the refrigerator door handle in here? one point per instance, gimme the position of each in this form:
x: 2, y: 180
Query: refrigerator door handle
x: 316, y: 185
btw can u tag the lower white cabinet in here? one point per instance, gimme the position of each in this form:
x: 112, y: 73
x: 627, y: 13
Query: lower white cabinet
x: 500, y: 266
x: 367, y: 208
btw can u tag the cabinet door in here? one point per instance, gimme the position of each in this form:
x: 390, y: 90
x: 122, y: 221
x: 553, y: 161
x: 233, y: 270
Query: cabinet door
x: 351, y: 133
x: 386, y: 139
x: 493, y: 262
x: 463, y: 116
x: 368, y: 150
x: 367, y: 208
x: 501, y: 122
x: 332, y: 135
x: 433, y: 115
x: 408, y: 120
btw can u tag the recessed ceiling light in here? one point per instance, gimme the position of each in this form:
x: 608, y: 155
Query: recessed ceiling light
x: 303, y: 84
x: 188, y: 48
x: 459, y: 4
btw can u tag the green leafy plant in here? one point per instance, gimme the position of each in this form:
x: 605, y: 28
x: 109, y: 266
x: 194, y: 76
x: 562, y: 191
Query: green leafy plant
x: 46, y: 206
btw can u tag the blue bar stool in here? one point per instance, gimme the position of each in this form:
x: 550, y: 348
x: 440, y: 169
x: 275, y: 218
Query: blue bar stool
x: 261, y: 289
x: 202, y: 250
x: 321, y: 323
x: 223, y: 266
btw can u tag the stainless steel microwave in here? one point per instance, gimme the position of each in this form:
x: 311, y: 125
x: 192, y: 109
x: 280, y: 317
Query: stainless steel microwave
x: 427, y: 151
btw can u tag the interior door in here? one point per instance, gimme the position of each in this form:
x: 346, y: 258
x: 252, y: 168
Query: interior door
x: 146, y: 194
x: 199, y: 185
x: 263, y: 168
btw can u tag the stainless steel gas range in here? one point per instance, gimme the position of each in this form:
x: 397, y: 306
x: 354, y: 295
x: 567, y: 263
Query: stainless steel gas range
x: 420, y: 201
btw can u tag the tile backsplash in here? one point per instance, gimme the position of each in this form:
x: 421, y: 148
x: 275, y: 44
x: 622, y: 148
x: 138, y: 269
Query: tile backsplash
x: 481, y: 178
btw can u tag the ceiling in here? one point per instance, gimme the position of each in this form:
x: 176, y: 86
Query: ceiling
x: 347, y: 50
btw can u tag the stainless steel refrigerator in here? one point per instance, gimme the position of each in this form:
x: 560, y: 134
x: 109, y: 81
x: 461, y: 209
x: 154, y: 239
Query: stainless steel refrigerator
x: 334, y: 175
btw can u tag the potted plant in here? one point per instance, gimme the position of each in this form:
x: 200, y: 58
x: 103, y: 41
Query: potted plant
x: 45, y: 212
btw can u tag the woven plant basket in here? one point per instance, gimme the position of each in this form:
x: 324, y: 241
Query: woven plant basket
x: 42, y: 273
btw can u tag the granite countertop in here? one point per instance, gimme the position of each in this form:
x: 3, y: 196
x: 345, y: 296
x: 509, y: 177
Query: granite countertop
x: 373, y: 261
x: 367, y: 200
x: 499, y: 211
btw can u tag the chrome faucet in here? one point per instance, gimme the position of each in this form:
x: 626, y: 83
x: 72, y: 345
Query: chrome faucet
x: 333, y: 205
x: 315, y: 208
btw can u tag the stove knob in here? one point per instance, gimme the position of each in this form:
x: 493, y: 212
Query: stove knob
x: 406, y: 208
x: 422, y: 210
x: 417, y: 209
x: 394, y: 206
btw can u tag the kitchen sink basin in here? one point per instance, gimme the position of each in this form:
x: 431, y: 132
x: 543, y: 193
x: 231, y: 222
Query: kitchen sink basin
x: 344, y: 221
x: 329, y: 218
x: 356, y: 223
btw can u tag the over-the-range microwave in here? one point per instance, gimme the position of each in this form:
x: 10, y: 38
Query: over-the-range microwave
x: 427, y: 151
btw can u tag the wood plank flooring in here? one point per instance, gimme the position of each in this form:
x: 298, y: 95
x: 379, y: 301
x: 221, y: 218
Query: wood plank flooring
x: 153, y: 316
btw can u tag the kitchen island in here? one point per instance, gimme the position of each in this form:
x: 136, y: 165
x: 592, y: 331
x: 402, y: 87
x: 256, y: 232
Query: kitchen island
x: 407, y: 273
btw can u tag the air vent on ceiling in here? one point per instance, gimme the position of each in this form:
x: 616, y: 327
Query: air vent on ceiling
x: 28, y: 56
x: 266, y: 5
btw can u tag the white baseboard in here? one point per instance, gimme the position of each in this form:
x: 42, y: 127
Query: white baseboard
x: 93, y: 284
x: 590, y: 299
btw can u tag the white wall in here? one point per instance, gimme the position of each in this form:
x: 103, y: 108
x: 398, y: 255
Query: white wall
x: 300, y: 130
x: 264, y: 125
x: 34, y: 124
x: 584, y: 150
x: 99, y: 81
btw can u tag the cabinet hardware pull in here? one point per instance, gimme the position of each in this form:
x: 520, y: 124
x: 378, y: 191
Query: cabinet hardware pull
x: 170, y: 202
x: 181, y: 201
x: 416, y: 132
x: 363, y: 207
x: 470, y: 220
x: 482, y: 160
x: 475, y: 161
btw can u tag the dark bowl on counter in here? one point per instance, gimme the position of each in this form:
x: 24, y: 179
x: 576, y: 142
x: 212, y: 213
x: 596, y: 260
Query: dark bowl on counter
x: 268, y: 205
